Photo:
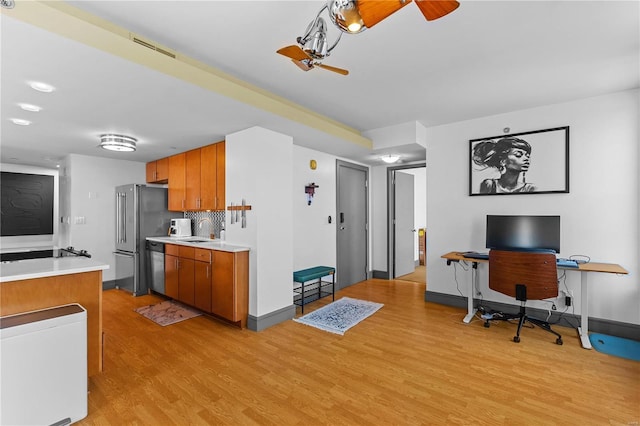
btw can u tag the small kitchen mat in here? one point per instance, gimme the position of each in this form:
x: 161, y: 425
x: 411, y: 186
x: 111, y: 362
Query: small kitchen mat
x: 167, y: 312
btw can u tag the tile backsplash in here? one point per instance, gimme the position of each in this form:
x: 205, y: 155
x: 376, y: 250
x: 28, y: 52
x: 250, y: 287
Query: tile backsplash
x: 203, y: 224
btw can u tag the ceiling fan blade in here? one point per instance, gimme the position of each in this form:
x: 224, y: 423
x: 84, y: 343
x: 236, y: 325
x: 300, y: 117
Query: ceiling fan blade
x: 334, y: 69
x: 294, y: 52
x: 434, y: 9
x: 302, y: 65
x: 374, y: 11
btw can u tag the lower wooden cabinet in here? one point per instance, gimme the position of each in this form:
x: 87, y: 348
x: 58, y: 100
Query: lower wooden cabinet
x: 202, y: 289
x: 216, y: 282
x: 171, y: 275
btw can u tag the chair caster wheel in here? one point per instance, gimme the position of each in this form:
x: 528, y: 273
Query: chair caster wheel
x: 487, y: 325
x: 559, y: 341
x: 516, y: 339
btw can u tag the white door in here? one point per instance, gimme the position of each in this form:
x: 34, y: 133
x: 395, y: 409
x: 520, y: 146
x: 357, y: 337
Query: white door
x: 404, y: 234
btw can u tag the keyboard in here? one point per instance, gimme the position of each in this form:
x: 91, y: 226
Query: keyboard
x: 566, y: 263
x: 475, y: 255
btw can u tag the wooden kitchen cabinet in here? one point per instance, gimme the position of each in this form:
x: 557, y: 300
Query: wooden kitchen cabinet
x: 204, y: 181
x: 192, y: 179
x: 216, y: 282
x: 221, y: 175
x: 171, y: 275
x: 202, y: 279
x: 158, y: 171
x: 230, y: 286
x: 208, y: 177
x: 197, y: 179
x: 179, y: 273
x: 177, y: 182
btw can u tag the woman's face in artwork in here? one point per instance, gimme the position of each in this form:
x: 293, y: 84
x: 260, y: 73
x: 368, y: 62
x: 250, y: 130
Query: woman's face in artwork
x: 517, y: 160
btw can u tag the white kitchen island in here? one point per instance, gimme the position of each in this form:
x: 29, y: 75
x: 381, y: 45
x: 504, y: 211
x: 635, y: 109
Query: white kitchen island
x: 34, y: 284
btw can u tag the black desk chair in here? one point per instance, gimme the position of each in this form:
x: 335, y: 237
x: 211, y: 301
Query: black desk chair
x: 525, y: 276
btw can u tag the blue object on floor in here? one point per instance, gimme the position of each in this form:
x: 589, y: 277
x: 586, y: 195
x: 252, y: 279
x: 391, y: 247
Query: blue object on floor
x: 616, y: 346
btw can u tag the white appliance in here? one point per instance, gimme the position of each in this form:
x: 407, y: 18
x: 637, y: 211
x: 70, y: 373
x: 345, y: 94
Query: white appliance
x: 180, y: 228
x: 43, y: 366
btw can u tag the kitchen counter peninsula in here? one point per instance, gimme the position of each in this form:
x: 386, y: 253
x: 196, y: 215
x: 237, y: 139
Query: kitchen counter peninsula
x: 29, y: 285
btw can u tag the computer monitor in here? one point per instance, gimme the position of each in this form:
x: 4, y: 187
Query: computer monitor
x: 523, y: 232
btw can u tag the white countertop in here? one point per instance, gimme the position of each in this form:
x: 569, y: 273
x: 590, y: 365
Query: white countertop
x: 208, y: 244
x: 49, y: 267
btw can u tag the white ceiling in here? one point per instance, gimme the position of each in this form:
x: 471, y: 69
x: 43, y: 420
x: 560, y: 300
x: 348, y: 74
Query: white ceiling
x: 485, y: 58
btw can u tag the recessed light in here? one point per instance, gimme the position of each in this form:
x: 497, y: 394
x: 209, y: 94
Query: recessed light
x: 31, y: 108
x: 20, y: 121
x: 42, y: 87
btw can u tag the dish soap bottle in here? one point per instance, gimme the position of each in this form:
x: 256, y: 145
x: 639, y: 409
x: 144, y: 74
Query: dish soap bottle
x: 222, y: 231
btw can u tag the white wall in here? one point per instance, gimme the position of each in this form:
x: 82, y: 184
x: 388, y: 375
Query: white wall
x: 599, y: 217
x: 314, y: 238
x: 89, y: 186
x: 259, y: 165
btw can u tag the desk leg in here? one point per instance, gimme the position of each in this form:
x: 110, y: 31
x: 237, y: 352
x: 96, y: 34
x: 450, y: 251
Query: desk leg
x: 471, y: 311
x: 583, y: 331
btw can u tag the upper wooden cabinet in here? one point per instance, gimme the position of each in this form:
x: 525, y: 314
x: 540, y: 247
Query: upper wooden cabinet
x: 197, y: 179
x: 192, y: 176
x: 177, y: 182
x: 221, y: 173
x: 158, y: 171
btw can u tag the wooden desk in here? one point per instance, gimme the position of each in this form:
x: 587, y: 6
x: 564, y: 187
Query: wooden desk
x: 583, y: 268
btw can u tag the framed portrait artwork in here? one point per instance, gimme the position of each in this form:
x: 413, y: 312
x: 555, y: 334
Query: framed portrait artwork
x: 520, y: 163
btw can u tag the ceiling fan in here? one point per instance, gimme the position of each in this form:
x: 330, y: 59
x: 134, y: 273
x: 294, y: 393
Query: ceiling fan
x: 352, y: 17
x: 313, y: 47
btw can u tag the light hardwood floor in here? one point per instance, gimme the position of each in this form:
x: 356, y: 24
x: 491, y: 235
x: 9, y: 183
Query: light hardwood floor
x: 410, y: 363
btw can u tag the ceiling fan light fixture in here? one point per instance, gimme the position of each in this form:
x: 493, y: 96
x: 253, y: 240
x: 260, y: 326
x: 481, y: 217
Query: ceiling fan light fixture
x: 390, y: 158
x: 316, y: 44
x: 119, y: 143
x: 345, y: 15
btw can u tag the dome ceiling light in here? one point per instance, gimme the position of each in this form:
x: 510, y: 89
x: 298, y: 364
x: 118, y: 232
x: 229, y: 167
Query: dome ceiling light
x: 119, y: 143
x: 390, y: 158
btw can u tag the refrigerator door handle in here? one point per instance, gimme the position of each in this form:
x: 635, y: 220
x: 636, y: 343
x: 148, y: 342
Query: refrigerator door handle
x: 123, y: 223
x: 117, y: 217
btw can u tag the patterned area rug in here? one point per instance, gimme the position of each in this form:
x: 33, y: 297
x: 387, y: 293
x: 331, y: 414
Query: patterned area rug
x: 167, y: 312
x: 341, y: 315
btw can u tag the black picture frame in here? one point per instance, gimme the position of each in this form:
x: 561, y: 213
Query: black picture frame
x: 535, y: 162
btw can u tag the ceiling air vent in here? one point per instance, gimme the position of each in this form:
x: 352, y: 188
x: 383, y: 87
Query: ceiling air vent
x: 7, y: 4
x: 150, y: 46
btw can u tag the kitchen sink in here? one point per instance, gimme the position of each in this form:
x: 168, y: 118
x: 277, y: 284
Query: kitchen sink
x: 198, y: 241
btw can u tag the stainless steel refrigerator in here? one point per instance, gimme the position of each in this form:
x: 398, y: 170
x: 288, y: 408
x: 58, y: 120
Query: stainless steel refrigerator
x: 141, y: 211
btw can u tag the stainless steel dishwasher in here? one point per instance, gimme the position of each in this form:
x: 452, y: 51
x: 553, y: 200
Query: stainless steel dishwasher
x: 155, y: 253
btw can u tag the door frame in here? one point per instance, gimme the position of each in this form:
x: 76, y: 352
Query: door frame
x: 391, y: 213
x: 365, y: 169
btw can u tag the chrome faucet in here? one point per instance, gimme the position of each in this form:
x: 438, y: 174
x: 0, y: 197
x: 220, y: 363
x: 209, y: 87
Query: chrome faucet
x: 199, y: 225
